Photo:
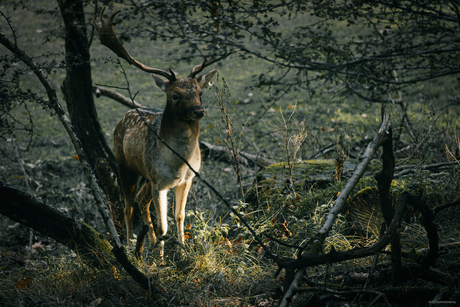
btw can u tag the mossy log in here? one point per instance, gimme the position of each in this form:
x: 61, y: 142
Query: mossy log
x: 50, y: 221
x: 306, y: 175
x: 362, y: 210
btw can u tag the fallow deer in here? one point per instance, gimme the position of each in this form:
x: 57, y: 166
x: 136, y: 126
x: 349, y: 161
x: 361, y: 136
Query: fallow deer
x: 140, y: 152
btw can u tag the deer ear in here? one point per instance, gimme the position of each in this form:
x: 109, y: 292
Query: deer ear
x: 203, y: 80
x: 160, y: 82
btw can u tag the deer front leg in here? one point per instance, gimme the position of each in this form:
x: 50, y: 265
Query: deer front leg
x: 181, y: 200
x: 144, y: 198
x: 160, y: 199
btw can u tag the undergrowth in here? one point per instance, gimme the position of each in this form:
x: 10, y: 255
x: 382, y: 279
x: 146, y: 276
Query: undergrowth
x: 222, y: 265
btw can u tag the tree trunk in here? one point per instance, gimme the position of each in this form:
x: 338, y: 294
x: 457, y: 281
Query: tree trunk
x: 34, y: 213
x: 77, y: 86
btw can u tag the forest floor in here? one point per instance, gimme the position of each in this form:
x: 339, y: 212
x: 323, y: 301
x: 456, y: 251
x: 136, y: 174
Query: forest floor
x: 224, y: 266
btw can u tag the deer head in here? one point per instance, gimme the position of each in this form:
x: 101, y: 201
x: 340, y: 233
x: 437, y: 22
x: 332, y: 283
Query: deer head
x: 184, y: 95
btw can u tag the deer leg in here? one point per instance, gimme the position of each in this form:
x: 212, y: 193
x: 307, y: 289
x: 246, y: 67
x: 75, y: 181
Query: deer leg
x: 128, y: 182
x: 144, y: 198
x: 181, y: 200
x: 160, y: 198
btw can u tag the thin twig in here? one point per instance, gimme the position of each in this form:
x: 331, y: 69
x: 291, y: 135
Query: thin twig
x: 13, y: 31
x: 429, y: 129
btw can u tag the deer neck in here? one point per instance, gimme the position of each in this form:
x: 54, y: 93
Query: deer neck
x: 181, y: 135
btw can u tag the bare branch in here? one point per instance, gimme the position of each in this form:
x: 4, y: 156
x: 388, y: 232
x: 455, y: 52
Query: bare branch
x: 102, y: 91
x: 359, y: 171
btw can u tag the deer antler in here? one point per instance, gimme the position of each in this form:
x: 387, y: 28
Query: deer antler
x: 109, y: 38
x: 197, y: 69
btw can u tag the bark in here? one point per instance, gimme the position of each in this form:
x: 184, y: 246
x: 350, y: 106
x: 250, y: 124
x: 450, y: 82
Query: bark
x: 384, y: 179
x: 54, y: 223
x: 427, y: 221
x: 77, y: 86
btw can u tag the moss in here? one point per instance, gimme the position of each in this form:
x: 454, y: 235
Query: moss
x: 306, y: 175
x: 92, y: 245
x: 295, y: 211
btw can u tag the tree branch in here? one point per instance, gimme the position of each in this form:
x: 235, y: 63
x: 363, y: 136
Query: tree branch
x: 357, y: 174
x: 52, y: 222
x: 102, y: 91
x: 101, y: 201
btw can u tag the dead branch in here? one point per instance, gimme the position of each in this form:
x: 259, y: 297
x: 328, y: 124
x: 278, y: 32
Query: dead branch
x: 323, y: 151
x: 427, y: 221
x: 357, y: 174
x: 427, y: 167
x: 221, y: 153
x: 445, y: 206
x: 101, y: 200
x: 424, y: 273
x: 384, y: 178
x: 102, y: 91
x: 410, y: 169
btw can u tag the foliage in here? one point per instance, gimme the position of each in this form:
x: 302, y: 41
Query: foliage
x: 370, y: 48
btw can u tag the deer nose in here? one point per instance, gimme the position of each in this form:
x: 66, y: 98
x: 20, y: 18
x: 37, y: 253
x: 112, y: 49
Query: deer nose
x: 199, y: 112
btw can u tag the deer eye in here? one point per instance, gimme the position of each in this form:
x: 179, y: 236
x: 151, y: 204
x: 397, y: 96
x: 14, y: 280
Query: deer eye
x: 175, y: 97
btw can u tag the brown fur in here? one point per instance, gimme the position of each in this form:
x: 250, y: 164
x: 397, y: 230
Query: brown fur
x: 140, y: 153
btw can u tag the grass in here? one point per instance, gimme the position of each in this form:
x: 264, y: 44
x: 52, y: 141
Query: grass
x: 223, y: 267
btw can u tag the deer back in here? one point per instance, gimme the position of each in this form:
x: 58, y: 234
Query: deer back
x: 133, y: 138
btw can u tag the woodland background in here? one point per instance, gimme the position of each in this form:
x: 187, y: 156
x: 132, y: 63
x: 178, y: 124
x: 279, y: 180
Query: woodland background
x: 303, y: 81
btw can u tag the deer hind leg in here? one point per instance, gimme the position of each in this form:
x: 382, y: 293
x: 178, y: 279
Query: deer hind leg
x: 128, y: 181
x: 181, y: 200
x: 144, y: 198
